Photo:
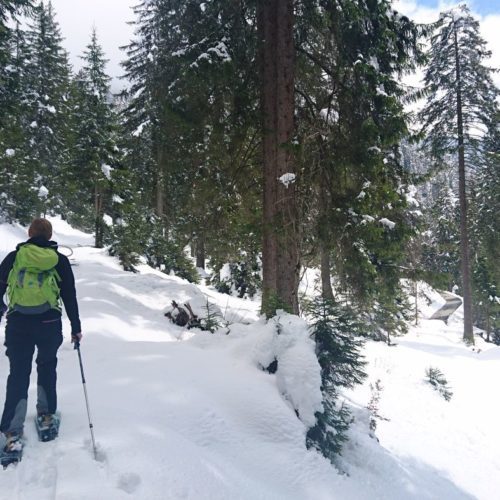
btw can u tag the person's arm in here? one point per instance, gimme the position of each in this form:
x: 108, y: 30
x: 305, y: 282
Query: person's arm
x: 5, y: 268
x: 68, y: 296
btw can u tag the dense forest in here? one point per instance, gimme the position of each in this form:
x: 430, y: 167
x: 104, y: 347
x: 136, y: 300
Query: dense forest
x: 260, y: 139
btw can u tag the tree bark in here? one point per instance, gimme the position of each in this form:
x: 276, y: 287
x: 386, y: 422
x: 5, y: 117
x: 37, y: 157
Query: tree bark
x: 160, y: 188
x: 464, y: 237
x: 200, y: 253
x: 280, y: 248
x: 326, y: 283
x: 325, y: 244
x: 98, y: 217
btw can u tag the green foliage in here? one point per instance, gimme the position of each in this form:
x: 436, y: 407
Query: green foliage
x: 243, y: 277
x: 93, y: 145
x: 351, y: 121
x: 477, y: 91
x: 486, y: 235
x: 336, y: 332
x: 211, y: 320
x: 138, y: 235
x: 438, y: 381
x: 273, y: 304
x: 330, y: 432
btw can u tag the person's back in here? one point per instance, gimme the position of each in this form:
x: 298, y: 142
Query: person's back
x: 35, y: 276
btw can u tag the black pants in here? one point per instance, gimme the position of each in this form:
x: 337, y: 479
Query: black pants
x: 22, y: 335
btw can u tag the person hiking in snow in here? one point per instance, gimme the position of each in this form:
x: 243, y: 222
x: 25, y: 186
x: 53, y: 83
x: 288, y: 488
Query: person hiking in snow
x: 35, y: 276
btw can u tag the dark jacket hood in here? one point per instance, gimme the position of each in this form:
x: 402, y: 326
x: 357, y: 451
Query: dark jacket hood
x: 39, y: 242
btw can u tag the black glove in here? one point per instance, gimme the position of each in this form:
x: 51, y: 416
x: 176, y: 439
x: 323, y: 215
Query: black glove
x: 76, y: 337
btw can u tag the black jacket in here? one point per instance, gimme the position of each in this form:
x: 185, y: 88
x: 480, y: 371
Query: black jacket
x: 67, y: 284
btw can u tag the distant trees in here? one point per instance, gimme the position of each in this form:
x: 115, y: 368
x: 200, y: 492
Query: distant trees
x: 460, y: 105
x: 58, y: 141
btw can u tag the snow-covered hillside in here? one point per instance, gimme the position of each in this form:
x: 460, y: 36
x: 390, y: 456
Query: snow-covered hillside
x: 188, y: 415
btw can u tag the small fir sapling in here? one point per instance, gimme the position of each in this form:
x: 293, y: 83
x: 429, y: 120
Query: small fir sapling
x: 373, y: 406
x: 212, y: 320
x: 338, y: 346
x: 436, y: 378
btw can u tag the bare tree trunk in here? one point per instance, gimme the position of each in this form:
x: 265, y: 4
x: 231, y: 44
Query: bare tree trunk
x: 464, y: 237
x: 488, y: 324
x: 267, y: 36
x: 98, y: 217
x: 200, y: 253
x: 280, y: 250
x: 325, y: 244
x: 160, y: 187
x: 326, y: 283
x: 416, y: 301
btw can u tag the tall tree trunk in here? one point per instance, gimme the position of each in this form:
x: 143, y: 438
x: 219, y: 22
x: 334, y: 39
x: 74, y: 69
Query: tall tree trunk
x: 280, y: 250
x: 98, y: 217
x: 464, y: 238
x: 160, y: 187
x: 415, y: 283
x: 200, y: 252
x: 326, y: 283
x: 267, y: 37
x: 325, y: 242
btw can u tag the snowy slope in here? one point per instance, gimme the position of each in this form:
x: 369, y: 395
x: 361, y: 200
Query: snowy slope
x: 189, y: 415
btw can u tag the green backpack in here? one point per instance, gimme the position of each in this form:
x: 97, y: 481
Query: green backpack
x: 33, y: 280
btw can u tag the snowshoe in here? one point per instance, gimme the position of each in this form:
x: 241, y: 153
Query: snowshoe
x: 12, y: 452
x: 47, y: 426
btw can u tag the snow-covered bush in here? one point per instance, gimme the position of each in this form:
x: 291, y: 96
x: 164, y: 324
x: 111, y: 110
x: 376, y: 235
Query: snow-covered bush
x: 242, y: 278
x: 146, y: 236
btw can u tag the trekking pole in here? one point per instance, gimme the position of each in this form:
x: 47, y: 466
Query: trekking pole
x: 91, y: 426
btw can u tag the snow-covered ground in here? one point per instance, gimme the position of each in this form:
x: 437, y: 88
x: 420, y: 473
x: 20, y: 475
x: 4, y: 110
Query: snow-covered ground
x: 188, y: 415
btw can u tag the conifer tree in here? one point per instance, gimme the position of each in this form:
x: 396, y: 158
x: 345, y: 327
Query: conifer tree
x: 47, y: 115
x: 192, y: 89
x: 486, y: 234
x: 9, y: 12
x: 441, y: 247
x: 337, y: 334
x: 16, y: 174
x: 351, y: 121
x: 461, y: 99
x: 16, y: 200
x: 94, y: 151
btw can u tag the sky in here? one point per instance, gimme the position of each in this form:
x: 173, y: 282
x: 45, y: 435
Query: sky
x: 77, y: 17
x: 110, y: 18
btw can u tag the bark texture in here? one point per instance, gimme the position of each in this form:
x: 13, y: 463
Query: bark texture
x: 280, y: 252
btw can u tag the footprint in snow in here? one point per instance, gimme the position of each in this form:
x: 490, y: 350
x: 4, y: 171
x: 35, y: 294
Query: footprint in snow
x: 129, y: 482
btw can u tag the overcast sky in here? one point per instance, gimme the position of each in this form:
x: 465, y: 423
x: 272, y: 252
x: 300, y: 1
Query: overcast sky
x: 76, y: 18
